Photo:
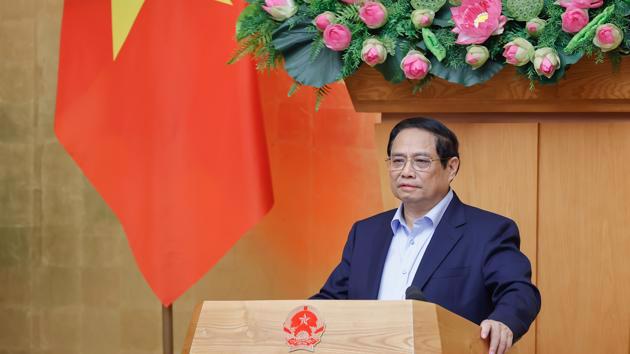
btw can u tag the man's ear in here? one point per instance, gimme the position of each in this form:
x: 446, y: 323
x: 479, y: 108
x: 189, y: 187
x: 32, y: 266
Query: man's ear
x: 453, y: 167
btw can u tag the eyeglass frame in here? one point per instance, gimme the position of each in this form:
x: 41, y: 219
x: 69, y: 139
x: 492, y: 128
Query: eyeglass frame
x: 407, y: 159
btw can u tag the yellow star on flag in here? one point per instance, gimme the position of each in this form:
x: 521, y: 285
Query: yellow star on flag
x: 124, y: 14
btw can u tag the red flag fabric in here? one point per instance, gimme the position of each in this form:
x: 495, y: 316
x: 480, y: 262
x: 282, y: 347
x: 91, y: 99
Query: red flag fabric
x: 169, y: 135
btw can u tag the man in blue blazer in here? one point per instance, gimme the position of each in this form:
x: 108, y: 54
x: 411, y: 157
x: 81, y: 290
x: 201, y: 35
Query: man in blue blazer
x: 460, y: 257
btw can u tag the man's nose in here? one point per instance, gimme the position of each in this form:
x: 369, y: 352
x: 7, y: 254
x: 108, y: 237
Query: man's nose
x: 407, y: 170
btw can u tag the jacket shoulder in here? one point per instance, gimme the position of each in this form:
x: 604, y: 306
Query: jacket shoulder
x: 474, y: 213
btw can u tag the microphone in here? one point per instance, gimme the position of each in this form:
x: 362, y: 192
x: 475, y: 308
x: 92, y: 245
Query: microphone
x: 414, y: 293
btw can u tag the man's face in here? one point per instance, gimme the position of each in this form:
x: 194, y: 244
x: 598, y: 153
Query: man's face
x: 423, y: 189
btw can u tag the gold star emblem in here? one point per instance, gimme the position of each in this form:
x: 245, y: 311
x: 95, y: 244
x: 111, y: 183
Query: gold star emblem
x: 124, y: 13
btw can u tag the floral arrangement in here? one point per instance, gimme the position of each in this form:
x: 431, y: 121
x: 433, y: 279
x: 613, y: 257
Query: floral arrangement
x: 462, y: 41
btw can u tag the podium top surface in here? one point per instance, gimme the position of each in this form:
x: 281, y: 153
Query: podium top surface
x: 330, y: 327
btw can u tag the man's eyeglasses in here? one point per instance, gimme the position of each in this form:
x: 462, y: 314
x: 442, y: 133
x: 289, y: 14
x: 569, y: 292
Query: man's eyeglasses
x: 418, y: 163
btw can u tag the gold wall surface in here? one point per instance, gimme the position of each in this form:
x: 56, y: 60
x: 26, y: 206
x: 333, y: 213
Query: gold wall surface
x: 69, y: 284
x: 68, y: 281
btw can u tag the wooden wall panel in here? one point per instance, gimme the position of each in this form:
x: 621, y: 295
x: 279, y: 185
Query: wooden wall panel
x: 498, y: 173
x: 584, y: 238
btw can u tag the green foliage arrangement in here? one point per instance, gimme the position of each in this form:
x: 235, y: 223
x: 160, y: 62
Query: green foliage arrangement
x: 463, y: 41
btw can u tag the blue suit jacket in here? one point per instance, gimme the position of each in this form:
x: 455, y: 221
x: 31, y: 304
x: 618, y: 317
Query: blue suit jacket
x: 472, y: 267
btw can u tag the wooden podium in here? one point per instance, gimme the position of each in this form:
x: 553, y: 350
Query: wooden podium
x: 359, y: 326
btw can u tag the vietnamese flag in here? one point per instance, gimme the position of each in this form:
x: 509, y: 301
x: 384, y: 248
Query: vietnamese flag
x: 168, y: 133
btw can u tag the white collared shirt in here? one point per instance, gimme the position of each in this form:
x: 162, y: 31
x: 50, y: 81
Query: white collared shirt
x: 407, y: 249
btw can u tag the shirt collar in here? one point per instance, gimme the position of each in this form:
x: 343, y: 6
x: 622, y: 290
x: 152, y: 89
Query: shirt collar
x: 434, y: 215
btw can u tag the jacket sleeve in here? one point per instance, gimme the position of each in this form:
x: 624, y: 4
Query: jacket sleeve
x: 336, y: 287
x: 507, y: 275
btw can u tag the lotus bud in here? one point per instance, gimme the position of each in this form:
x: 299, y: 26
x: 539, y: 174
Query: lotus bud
x: 422, y: 18
x: 546, y: 61
x: 373, y: 14
x: 535, y: 26
x: 373, y: 52
x: 518, y: 52
x: 323, y: 20
x: 280, y: 10
x: 415, y: 65
x: 476, y: 56
x: 607, y: 37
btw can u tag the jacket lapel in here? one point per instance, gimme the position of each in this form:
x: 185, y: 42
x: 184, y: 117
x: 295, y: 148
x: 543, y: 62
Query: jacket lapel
x: 445, y: 237
x: 381, y: 245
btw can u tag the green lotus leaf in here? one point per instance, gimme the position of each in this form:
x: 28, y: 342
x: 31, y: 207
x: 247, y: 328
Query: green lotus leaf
x: 443, y: 17
x: 391, y: 67
x: 465, y: 75
x: 566, y: 61
x: 295, y: 41
x: 569, y: 59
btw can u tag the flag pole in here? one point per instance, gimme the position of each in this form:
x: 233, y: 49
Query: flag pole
x: 167, y: 329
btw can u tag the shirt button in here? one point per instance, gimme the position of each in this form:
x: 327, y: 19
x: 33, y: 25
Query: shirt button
x: 404, y: 272
x: 413, y: 242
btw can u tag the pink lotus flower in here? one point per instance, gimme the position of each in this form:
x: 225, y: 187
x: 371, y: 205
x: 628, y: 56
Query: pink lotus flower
x: 573, y: 20
x: 415, y: 65
x: 581, y: 4
x: 373, y: 14
x: 280, y: 10
x: 475, y: 20
x: 607, y: 37
x: 323, y: 20
x: 337, y: 37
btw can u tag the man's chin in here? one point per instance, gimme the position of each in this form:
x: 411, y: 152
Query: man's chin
x: 410, y: 198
